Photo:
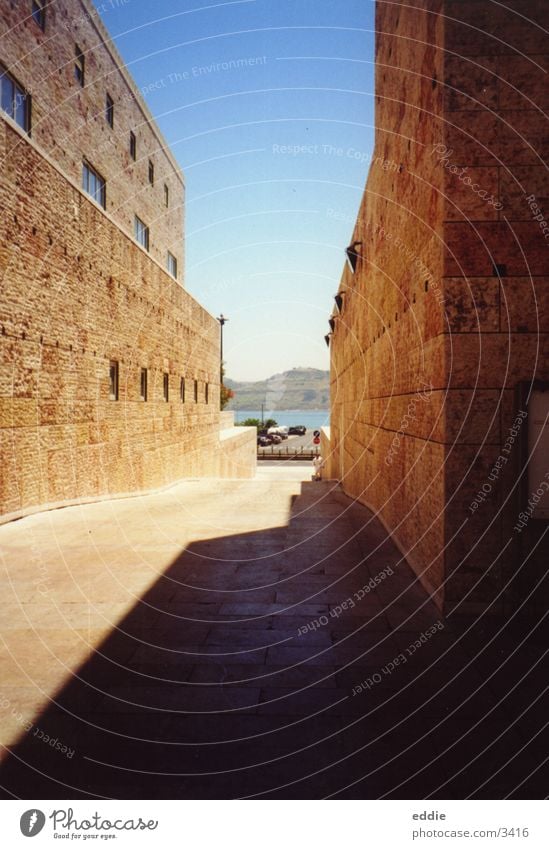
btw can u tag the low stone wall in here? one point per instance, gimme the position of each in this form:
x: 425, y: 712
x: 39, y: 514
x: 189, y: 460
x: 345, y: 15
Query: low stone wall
x: 328, y: 471
x: 238, y: 452
x: 226, y: 419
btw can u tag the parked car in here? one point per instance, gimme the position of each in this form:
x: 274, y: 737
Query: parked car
x: 276, y: 438
x: 282, y: 432
x: 298, y: 430
x: 263, y: 441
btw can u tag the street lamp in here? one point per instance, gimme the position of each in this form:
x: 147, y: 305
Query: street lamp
x: 222, y: 320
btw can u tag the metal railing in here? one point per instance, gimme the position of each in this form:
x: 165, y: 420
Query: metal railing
x: 272, y: 452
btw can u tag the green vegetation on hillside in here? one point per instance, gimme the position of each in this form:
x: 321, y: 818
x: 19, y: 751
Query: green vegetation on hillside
x: 257, y: 423
x: 298, y: 389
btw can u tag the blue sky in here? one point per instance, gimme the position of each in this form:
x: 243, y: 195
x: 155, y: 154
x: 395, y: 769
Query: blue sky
x: 268, y: 106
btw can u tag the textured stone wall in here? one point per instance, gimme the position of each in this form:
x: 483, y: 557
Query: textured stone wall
x: 238, y: 452
x: 76, y: 293
x: 226, y: 419
x: 327, y: 455
x: 69, y: 122
x: 388, y: 344
x: 447, y: 311
x: 496, y: 282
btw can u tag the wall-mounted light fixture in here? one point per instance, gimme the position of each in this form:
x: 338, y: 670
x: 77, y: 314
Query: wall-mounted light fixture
x: 352, y: 254
x: 327, y: 339
x: 339, y: 301
x: 331, y: 322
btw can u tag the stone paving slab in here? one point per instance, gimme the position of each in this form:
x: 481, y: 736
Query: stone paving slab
x: 218, y: 641
x: 263, y: 676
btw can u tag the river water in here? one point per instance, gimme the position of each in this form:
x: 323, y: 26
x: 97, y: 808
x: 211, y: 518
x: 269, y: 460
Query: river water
x: 312, y: 419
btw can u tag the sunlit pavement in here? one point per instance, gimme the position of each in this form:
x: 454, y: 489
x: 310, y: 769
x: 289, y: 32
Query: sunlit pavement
x: 250, y: 638
x: 284, y: 470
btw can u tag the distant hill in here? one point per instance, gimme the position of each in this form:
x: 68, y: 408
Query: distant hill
x: 298, y: 389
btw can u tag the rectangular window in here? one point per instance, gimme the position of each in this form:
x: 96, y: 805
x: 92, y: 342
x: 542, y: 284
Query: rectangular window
x: 14, y: 100
x: 182, y: 389
x: 151, y: 172
x: 113, y: 380
x: 207, y: 393
x: 196, y: 392
x: 166, y: 196
x: 133, y: 146
x: 94, y: 185
x: 166, y: 386
x: 144, y: 384
x: 172, y: 265
x: 141, y: 233
x: 109, y: 110
x: 79, y: 65
x: 39, y: 13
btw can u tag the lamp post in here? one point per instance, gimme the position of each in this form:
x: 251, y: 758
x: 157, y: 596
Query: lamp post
x: 221, y: 319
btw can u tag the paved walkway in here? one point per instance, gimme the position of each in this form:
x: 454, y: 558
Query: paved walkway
x: 249, y: 638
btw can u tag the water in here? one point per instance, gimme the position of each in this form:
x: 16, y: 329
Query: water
x: 312, y: 419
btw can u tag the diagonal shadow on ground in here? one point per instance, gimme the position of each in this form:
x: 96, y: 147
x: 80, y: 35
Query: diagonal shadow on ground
x: 298, y: 661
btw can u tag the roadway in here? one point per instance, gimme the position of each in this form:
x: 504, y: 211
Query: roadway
x: 292, y: 444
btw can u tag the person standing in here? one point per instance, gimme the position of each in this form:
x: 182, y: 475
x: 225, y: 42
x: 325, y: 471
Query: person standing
x: 318, y: 463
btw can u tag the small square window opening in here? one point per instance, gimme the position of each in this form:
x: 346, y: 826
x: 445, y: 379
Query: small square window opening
x: 79, y: 65
x: 109, y: 110
x: 39, y: 13
x: 113, y: 380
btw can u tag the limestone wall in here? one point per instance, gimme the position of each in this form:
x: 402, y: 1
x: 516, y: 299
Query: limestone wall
x: 441, y: 320
x: 226, y: 419
x: 496, y: 284
x: 326, y: 454
x: 76, y: 294
x: 238, y: 452
x: 388, y: 344
x: 68, y: 121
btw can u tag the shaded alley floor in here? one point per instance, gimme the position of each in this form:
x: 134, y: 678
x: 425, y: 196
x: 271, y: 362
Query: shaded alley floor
x: 263, y: 638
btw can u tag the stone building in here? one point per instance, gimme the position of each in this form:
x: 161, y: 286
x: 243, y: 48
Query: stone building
x: 440, y: 344
x: 109, y: 370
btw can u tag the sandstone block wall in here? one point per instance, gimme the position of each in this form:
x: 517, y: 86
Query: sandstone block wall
x: 327, y: 454
x: 68, y: 122
x: 388, y: 343
x: 76, y: 294
x: 238, y: 452
x: 446, y: 316
x: 79, y: 295
x: 496, y: 282
x: 226, y: 419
